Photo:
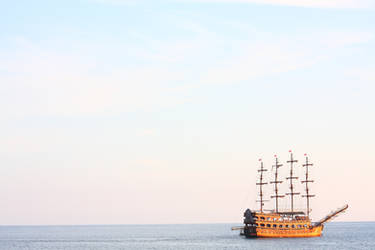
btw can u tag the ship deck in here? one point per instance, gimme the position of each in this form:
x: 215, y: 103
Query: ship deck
x: 274, y: 225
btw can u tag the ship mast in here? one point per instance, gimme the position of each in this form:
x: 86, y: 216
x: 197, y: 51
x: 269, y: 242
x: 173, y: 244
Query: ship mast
x: 261, y: 183
x: 306, y: 181
x: 275, y: 182
x: 291, y: 177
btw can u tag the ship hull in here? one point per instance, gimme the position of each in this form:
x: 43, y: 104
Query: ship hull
x: 253, y: 232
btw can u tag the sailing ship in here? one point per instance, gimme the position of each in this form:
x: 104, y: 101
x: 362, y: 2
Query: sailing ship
x: 288, y: 223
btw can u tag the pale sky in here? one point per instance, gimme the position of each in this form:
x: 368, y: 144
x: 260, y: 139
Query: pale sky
x: 126, y: 112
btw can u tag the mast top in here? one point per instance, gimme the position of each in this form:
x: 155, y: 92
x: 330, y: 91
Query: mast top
x: 291, y: 158
x: 307, y: 162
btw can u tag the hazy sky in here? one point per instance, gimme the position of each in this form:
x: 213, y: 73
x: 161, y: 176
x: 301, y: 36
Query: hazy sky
x: 120, y: 111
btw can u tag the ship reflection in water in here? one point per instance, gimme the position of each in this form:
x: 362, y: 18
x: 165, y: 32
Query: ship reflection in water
x: 277, y: 224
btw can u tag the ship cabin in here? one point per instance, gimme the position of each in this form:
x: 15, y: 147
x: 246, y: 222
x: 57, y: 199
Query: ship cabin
x: 286, y: 220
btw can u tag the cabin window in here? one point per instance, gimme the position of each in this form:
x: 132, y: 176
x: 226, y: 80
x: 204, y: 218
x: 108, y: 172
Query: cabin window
x: 280, y: 226
x: 262, y: 225
x: 256, y: 217
x: 305, y: 225
x: 274, y: 226
x: 262, y: 218
x: 287, y: 226
x: 293, y: 226
x: 268, y: 225
x: 299, y: 226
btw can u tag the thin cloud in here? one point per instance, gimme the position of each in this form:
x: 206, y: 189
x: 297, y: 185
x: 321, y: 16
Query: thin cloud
x: 301, y: 3
x: 282, y: 55
x: 53, y: 83
x: 336, y: 4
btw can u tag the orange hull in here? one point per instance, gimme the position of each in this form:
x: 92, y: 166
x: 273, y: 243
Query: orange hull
x: 289, y: 233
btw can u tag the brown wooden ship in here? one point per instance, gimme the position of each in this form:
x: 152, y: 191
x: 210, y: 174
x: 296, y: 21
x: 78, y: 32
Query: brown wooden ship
x: 291, y: 223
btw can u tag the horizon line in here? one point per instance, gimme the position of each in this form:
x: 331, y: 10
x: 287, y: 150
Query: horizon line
x: 152, y: 224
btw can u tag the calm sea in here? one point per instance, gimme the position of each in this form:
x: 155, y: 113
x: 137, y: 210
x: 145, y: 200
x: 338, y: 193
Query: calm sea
x: 339, y: 235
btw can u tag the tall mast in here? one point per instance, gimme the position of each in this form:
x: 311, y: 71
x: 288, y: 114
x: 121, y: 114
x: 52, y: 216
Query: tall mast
x: 275, y: 182
x: 291, y: 177
x: 261, y: 183
x: 306, y: 181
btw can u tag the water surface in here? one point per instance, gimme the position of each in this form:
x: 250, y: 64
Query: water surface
x: 339, y: 235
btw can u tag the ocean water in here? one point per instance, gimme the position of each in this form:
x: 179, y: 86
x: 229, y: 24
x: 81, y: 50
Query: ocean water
x: 339, y: 235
